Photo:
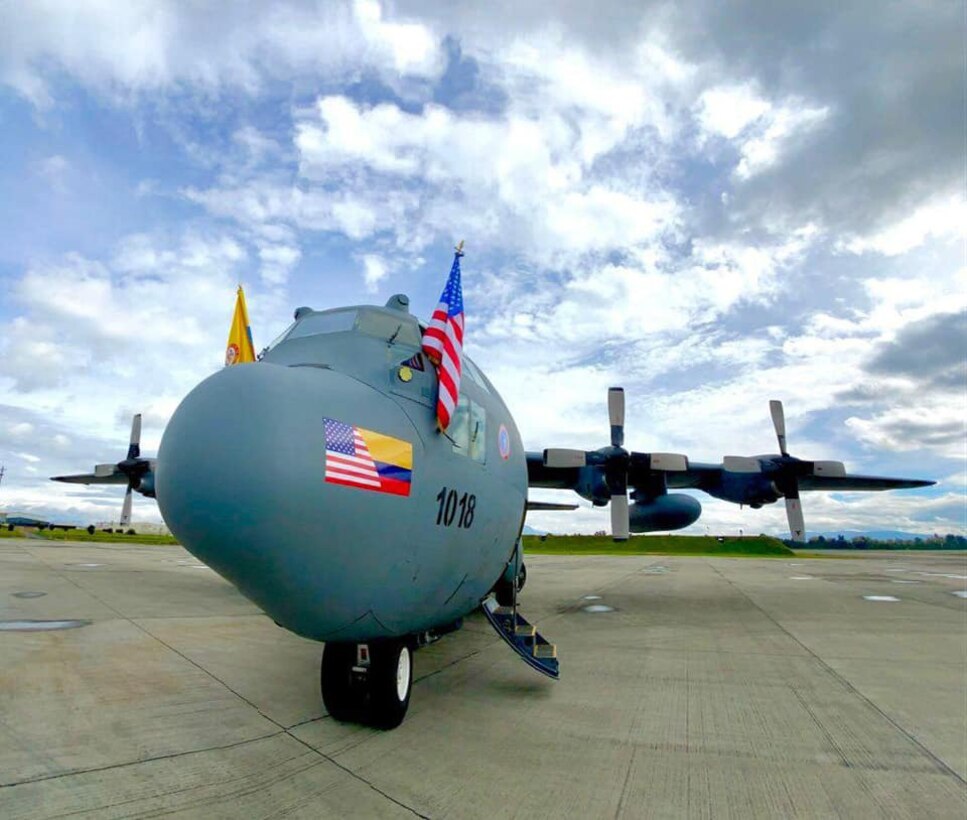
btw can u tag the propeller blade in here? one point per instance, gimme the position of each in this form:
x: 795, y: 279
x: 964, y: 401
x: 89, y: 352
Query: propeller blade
x: 779, y: 422
x: 619, y: 517
x: 833, y: 469
x: 616, y: 415
x: 741, y: 464
x: 668, y: 462
x: 134, y: 448
x: 105, y: 470
x: 564, y: 458
x: 797, y: 524
x: 126, y: 509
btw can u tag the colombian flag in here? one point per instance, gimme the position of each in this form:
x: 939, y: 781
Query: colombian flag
x: 240, y: 347
x: 393, y: 459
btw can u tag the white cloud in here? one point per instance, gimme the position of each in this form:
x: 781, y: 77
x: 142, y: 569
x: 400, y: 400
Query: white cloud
x: 20, y: 429
x: 941, y: 219
x: 151, y: 323
x: 762, y: 150
x: 54, y: 169
x: 728, y: 111
x: 411, y: 47
x: 759, y: 128
x: 522, y: 179
x: 938, y: 427
x: 138, y: 47
x: 375, y: 269
x: 278, y: 262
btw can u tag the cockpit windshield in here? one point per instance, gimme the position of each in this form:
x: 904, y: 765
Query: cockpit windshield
x: 402, y: 329
x: 314, y: 324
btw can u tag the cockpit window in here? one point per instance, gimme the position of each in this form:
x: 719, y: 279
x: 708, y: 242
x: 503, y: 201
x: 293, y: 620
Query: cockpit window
x: 403, y: 330
x: 471, y: 372
x: 330, y: 322
x: 276, y: 340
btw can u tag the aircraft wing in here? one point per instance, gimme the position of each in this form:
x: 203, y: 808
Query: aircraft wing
x: 92, y: 478
x: 709, y: 476
x: 606, y: 475
x: 552, y: 478
x: 535, y: 506
x: 699, y: 476
x: 860, y: 482
x: 696, y: 476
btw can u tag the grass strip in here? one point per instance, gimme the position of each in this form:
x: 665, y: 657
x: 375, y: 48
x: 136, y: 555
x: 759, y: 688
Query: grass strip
x: 754, y: 546
x: 84, y: 535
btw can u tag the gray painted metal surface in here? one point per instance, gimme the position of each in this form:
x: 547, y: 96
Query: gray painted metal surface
x: 240, y: 481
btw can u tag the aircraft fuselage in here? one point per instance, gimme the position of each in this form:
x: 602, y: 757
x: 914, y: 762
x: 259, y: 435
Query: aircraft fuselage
x: 245, y: 480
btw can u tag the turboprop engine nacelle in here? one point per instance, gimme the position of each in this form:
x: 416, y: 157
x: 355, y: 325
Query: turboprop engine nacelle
x: 664, y: 512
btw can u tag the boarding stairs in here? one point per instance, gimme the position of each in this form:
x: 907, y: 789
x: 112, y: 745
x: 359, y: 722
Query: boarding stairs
x: 522, y: 637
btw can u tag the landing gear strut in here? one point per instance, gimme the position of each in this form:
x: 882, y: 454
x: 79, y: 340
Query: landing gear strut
x: 504, y: 589
x: 368, y: 682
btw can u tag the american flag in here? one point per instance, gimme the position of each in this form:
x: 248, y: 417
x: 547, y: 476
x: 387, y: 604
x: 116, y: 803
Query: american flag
x: 347, y: 457
x: 443, y: 342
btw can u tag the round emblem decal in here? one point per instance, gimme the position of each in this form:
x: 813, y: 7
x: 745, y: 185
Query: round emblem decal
x: 503, y: 442
x: 231, y: 354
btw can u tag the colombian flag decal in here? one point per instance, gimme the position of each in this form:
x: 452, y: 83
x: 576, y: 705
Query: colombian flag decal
x: 367, y: 460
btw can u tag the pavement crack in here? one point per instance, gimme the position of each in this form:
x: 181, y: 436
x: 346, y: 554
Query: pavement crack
x: 127, y: 763
x: 843, y: 759
x: 359, y: 777
x: 624, y: 786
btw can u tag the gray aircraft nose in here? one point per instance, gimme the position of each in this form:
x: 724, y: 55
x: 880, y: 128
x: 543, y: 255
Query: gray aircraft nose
x: 240, y: 482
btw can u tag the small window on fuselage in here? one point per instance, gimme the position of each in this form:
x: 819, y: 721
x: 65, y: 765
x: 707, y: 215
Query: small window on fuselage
x: 468, y: 430
x: 478, y: 432
x: 470, y: 371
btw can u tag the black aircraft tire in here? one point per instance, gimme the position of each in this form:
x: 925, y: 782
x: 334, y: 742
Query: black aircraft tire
x: 522, y: 576
x: 390, y: 683
x: 335, y: 678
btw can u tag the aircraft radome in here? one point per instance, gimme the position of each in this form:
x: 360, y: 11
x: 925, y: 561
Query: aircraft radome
x: 316, y: 481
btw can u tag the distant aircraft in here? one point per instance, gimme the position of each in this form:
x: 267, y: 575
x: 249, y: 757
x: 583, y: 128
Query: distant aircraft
x: 25, y: 521
x: 11, y: 521
x: 317, y: 482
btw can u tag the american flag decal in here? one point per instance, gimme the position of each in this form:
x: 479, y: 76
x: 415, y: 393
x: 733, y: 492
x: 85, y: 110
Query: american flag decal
x: 443, y: 342
x: 367, y: 460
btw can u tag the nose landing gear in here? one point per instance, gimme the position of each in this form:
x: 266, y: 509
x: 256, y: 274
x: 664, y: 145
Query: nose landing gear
x: 368, y: 682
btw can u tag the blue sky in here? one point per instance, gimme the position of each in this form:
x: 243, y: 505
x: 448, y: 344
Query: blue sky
x: 710, y: 204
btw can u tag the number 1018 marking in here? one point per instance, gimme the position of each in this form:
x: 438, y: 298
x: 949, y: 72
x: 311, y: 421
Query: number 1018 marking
x: 449, y: 501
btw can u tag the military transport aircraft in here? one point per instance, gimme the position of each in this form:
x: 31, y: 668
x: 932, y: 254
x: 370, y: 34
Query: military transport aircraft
x: 317, y: 482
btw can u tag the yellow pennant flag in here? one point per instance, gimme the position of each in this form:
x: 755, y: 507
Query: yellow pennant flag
x: 240, y: 347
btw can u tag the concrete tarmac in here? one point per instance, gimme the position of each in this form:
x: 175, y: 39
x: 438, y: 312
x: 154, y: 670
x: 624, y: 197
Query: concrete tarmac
x: 712, y: 688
